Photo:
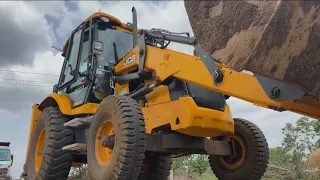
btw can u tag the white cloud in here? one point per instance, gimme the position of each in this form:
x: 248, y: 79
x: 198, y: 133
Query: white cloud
x: 44, y: 63
x: 53, y: 8
x: 9, y: 116
x: 170, y: 15
x: 24, y: 33
x: 15, y: 105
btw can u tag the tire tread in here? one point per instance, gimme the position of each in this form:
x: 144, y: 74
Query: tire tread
x: 56, y: 163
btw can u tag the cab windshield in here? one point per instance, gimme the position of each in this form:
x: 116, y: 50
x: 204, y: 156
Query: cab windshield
x: 116, y: 43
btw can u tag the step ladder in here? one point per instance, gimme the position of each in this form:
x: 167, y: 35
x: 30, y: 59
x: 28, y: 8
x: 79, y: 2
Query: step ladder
x: 79, y: 122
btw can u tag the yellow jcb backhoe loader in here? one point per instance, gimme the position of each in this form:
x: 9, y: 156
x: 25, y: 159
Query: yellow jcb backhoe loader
x: 125, y: 105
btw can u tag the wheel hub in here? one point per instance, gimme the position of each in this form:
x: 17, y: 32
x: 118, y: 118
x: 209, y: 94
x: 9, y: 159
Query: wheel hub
x: 108, y: 141
x: 104, y: 153
x: 238, y: 156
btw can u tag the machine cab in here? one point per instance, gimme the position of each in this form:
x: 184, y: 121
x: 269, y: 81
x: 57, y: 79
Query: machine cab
x: 90, y: 54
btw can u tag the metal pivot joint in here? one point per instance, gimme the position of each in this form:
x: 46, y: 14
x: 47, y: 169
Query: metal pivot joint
x: 207, y: 59
x: 209, y: 62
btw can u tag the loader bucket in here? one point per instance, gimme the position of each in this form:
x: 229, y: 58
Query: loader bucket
x: 277, y: 39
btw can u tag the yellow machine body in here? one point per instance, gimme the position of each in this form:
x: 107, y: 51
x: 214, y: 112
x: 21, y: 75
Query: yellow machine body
x: 183, y: 115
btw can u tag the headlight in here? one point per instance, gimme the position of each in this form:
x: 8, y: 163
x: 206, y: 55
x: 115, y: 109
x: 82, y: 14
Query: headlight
x: 97, y: 47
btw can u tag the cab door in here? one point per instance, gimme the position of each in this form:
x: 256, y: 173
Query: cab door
x: 73, y: 80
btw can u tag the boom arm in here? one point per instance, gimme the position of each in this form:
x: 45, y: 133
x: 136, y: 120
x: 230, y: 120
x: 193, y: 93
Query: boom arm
x: 236, y: 84
x: 207, y: 72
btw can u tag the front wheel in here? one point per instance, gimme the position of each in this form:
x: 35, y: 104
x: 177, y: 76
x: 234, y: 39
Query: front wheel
x: 252, y: 154
x: 120, y: 117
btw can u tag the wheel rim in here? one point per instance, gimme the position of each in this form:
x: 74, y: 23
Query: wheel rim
x: 39, y: 151
x: 103, y: 154
x: 237, y: 161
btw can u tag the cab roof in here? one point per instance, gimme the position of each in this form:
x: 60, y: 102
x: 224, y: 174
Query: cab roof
x: 95, y: 15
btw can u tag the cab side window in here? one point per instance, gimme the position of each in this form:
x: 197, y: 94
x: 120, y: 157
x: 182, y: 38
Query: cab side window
x: 71, y: 60
x: 85, y: 53
x: 83, y: 61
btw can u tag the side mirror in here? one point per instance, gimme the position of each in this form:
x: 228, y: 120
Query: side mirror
x: 55, y: 88
x: 97, y: 47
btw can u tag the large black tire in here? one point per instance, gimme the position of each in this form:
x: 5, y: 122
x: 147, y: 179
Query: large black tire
x: 256, y: 157
x: 157, y: 167
x: 129, y: 147
x: 56, y: 163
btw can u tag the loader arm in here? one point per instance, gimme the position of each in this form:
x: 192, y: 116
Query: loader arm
x: 201, y: 70
x: 247, y: 87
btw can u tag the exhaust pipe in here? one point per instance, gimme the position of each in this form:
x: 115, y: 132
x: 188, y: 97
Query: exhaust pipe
x: 135, y: 27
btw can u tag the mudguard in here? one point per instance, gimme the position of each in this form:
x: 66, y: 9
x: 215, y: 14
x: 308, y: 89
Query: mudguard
x: 65, y: 106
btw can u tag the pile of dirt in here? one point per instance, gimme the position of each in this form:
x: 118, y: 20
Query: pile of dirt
x: 314, y: 160
x: 277, y: 39
x: 275, y: 172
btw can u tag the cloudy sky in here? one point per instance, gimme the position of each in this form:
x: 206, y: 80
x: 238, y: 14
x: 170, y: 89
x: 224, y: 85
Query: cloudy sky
x: 29, y: 67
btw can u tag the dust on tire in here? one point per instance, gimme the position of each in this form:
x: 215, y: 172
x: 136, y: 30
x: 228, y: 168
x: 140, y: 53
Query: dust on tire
x: 56, y: 163
x: 128, y: 152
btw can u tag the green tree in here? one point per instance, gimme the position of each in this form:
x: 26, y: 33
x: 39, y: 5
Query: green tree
x: 80, y: 173
x: 300, y: 139
x: 279, y: 157
x: 178, y: 165
x: 316, y: 127
x: 198, y: 164
x: 194, y: 165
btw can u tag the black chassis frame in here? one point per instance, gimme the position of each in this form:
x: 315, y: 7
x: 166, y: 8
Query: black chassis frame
x: 176, y: 143
x: 165, y: 142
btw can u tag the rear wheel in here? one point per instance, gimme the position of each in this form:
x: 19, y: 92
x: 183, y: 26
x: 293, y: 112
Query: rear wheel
x: 156, y: 166
x: 120, y: 116
x: 251, y: 158
x: 46, y: 159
